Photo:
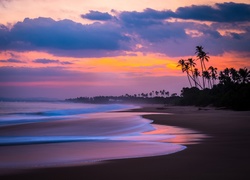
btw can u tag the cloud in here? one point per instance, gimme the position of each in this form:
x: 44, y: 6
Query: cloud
x: 96, y: 15
x: 146, y: 18
x: 165, y: 31
x: 26, y: 74
x: 49, y: 61
x: 52, y: 74
x: 4, y: 2
x: 11, y: 61
x: 149, y: 28
x: 4, y: 35
x: 221, y: 12
x: 48, y: 34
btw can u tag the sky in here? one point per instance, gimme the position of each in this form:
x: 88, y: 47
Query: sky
x: 72, y: 48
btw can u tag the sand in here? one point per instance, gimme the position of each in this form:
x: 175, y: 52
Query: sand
x: 224, y: 154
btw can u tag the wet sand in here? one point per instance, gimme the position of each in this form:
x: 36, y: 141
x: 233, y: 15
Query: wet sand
x: 224, y: 154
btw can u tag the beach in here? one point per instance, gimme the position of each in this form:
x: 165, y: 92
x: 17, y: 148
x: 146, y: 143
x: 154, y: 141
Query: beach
x: 222, y: 154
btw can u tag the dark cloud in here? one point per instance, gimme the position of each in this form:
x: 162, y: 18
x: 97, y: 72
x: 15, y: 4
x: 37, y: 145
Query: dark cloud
x: 45, y: 61
x: 47, y: 34
x: 4, y: 35
x: 146, y: 18
x: 49, y: 61
x: 212, y: 33
x: 147, y: 14
x: 11, y: 61
x: 162, y: 32
x: 96, y: 15
x: 221, y: 12
x: 236, y: 36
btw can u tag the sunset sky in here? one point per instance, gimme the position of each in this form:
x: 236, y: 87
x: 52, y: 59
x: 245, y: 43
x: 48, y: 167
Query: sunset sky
x: 71, y: 48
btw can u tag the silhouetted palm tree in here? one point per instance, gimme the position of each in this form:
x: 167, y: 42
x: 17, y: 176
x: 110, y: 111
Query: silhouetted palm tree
x: 185, y: 68
x: 213, y: 73
x: 156, y: 93
x: 162, y: 93
x: 244, y: 75
x: 235, y: 77
x: 224, y: 77
x: 202, y: 56
x: 192, y: 65
x: 206, y: 75
x: 167, y: 93
x: 196, y: 75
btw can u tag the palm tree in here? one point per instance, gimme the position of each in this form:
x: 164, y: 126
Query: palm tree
x: 202, y: 56
x: 185, y: 68
x: 235, y: 77
x: 196, y: 75
x: 162, y: 93
x: 192, y: 65
x: 213, y: 73
x: 206, y: 75
x: 224, y: 77
x: 156, y: 93
x: 244, y: 75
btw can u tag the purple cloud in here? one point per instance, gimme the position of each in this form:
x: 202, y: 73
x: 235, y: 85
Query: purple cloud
x: 45, y: 33
x: 148, y: 28
x: 148, y: 17
x: 11, y: 61
x: 49, y: 61
x: 222, y: 12
x: 96, y: 15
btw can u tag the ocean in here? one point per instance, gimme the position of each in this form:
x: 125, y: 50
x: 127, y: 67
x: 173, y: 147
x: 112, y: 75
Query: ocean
x: 50, y: 134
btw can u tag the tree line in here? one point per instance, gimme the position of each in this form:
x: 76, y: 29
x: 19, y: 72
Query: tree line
x: 153, y: 97
x: 229, y: 88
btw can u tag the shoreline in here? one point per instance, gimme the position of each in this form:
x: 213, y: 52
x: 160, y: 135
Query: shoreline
x: 224, y: 155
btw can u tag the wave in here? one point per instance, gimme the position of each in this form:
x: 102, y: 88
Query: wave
x: 97, y: 109
x: 54, y: 111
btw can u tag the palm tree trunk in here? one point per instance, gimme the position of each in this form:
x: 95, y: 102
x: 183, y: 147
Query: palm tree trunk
x: 188, y: 75
x: 203, y: 79
x: 195, y: 83
x: 198, y: 82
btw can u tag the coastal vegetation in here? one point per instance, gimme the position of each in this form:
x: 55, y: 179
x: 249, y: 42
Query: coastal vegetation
x: 229, y: 88
x: 153, y: 97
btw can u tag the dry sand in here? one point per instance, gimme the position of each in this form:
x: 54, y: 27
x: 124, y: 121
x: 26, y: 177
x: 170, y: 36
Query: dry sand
x: 225, y: 154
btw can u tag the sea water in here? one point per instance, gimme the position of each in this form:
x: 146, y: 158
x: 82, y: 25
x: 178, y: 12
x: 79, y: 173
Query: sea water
x: 46, y: 134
